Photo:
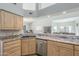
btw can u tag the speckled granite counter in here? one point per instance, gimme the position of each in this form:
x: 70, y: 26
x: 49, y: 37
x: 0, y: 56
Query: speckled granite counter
x: 63, y: 39
x: 27, y: 35
x: 9, y: 38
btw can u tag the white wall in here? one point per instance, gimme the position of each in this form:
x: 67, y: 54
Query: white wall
x: 39, y: 24
x: 66, y: 26
x: 28, y: 22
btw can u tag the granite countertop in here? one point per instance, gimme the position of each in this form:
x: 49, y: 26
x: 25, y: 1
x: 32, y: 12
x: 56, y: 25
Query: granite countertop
x: 9, y: 37
x: 59, y: 39
x: 13, y: 37
x: 27, y: 35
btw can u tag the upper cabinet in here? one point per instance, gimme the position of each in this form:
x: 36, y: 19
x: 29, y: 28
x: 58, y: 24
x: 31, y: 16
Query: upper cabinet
x: 20, y: 22
x: 10, y: 21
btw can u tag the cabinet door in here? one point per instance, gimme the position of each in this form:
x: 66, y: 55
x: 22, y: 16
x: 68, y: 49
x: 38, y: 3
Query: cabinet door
x: 76, y: 53
x: 19, y: 22
x: 25, y: 47
x: 66, y: 51
x: 52, y: 50
x: 49, y: 48
x: 11, y: 21
x: 76, y: 50
x: 15, y: 22
x: 55, y: 51
x: 7, y: 21
x: 2, y: 19
x: 32, y: 46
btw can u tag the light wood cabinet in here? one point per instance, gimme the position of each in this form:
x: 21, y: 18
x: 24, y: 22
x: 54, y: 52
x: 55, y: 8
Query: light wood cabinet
x: 10, y: 21
x: 7, y: 20
x: 19, y: 22
x: 16, y: 22
x: 53, y: 49
x: 12, y: 48
x: 25, y: 46
x: 32, y: 45
x: 0, y: 20
x: 66, y: 51
x: 59, y: 49
x: 2, y: 13
x: 28, y: 46
x: 76, y: 53
x: 76, y: 50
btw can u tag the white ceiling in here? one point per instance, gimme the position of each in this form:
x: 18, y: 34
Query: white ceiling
x: 32, y: 6
x: 41, y: 9
x: 44, y: 5
x: 29, y: 6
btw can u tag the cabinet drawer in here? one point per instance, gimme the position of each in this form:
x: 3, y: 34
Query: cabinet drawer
x: 12, y: 43
x: 17, y: 53
x: 12, y: 46
x: 11, y: 51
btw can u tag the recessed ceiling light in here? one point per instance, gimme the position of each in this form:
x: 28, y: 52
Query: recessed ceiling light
x: 48, y: 16
x: 64, y: 12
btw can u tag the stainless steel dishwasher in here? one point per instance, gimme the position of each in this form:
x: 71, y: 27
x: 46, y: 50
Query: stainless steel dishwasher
x: 41, y: 47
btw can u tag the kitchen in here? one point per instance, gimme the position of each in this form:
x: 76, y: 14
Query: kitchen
x: 39, y: 29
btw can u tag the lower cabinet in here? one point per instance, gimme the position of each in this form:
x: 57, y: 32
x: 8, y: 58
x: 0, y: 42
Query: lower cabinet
x: 28, y: 45
x: 32, y: 45
x: 76, y: 50
x: 52, y: 49
x: 25, y: 46
x: 59, y: 49
x: 12, y: 48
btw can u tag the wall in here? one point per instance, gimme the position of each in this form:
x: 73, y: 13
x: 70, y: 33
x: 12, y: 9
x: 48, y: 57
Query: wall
x: 63, y: 26
x: 47, y: 20
x: 27, y: 21
x: 40, y: 23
